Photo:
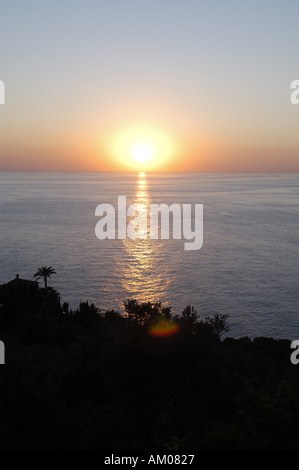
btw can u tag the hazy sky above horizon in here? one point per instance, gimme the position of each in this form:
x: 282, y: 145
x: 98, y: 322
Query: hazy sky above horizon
x: 208, y: 83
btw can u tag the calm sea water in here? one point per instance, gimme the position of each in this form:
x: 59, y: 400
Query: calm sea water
x: 247, y: 267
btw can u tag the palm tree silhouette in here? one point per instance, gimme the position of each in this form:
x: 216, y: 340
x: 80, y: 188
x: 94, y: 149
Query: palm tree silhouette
x: 45, y: 273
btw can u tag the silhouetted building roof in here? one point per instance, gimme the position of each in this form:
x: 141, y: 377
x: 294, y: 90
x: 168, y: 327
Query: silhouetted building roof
x: 21, y: 284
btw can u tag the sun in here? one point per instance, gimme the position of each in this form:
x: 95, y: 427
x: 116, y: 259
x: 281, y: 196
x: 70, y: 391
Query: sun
x: 142, y: 152
x: 141, y: 148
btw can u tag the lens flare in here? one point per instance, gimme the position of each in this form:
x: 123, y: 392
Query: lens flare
x: 163, y: 328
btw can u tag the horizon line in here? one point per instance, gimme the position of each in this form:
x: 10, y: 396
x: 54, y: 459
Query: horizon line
x: 156, y: 171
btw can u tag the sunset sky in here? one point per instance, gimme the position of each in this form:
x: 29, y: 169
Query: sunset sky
x: 173, y: 85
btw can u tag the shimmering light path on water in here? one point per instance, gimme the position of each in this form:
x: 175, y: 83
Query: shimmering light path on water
x: 248, y: 265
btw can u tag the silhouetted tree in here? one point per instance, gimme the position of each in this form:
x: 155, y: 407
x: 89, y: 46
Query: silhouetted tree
x: 146, y: 312
x: 86, y: 314
x: 189, y: 315
x: 44, y: 273
x: 218, y: 323
x: 65, y: 308
x: 112, y: 317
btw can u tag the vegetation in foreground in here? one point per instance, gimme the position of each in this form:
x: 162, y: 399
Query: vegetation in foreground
x: 87, y: 379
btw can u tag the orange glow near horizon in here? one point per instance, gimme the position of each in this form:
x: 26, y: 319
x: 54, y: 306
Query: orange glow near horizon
x: 155, y: 145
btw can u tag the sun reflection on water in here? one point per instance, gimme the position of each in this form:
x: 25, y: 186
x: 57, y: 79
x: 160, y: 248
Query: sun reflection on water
x: 143, y: 272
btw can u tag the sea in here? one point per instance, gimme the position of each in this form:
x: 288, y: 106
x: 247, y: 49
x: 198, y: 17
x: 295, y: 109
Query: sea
x: 247, y: 267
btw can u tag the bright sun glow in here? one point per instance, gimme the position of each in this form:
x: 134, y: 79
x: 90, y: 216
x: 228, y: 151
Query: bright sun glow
x: 142, y: 152
x: 141, y: 148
